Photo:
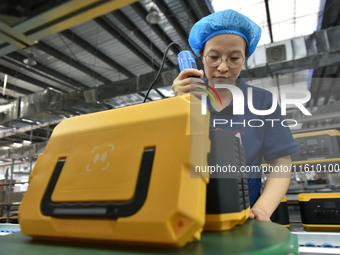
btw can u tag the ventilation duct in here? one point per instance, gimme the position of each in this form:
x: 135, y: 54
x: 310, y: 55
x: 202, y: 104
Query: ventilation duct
x: 322, y: 48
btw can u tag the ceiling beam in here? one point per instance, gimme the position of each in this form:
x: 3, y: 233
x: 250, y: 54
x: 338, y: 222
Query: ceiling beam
x: 63, y: 16
x: 26, y: 78
x: 316, y: 86
x: 90, y: 9
x: 140, y: 10
x: 164, y: 8
x: 269, y: 21
x: 20, y: 137
x: 70, y: 82
x: 140, y: 35
x: 204, y: 6
x: 15, y: 36
x: 25, y: 128
x: 96, y: 52
x: 189, y: 11
x: 17, y: 59
x: 6, y: 97
x: 70, y: 61
x: 17, y: 89
x: 116, y: 32
x: 334, y: 84
x: 331, y: 14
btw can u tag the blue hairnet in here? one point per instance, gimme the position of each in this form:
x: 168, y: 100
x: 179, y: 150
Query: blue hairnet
x: 228, y: 21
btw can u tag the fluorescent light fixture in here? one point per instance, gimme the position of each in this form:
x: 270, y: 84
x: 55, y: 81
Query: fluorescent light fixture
x: 4, y: 85
x: 17, y: 145
x: 27, y: 120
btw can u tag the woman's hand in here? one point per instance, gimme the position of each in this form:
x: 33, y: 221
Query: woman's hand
x: 258, y: 214
x: 181, y: 84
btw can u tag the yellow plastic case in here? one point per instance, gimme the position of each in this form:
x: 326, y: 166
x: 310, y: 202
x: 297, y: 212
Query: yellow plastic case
x: 281, y: 214
x: 227, y: 221
x: 123, y: 176
x: 320, y: 210
x: 326, y: 149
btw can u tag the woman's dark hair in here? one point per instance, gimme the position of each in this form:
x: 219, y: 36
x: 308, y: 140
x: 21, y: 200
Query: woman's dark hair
x: 247, y: 51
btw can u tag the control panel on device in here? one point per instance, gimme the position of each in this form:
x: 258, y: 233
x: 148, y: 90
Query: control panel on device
x: 317, y: 145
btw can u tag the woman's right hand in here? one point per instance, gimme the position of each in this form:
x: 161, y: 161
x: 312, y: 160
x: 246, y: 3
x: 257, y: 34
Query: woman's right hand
x: 181, y: 84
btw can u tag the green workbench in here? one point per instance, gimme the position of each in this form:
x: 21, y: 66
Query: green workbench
x: 253, y: 237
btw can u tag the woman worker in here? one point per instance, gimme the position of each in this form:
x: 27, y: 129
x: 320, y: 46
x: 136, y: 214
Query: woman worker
x: 224, y: 41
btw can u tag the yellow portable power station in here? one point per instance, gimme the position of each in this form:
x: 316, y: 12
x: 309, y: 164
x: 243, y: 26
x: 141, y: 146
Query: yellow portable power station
x: 281, y: 215
x: 319, y: 155
x: 317, y: 149
x: 320, y: 210
x: 122, y: 175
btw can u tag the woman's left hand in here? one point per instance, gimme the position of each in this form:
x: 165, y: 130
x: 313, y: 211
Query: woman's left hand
x: 258, y: 214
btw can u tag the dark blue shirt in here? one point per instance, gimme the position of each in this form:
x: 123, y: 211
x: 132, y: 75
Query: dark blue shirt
x: 269, y: 139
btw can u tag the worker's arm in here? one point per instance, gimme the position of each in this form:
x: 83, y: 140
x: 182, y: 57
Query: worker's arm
x: 275, y: 189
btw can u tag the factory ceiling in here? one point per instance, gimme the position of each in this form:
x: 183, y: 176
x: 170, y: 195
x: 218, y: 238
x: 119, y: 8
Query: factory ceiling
x: 63, y: 58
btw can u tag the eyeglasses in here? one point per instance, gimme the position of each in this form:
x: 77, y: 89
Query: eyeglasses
x: 215, y: 60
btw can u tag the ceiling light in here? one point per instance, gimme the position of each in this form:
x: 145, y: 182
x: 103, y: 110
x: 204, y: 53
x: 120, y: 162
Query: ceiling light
x: 153, y: 16
x: 17, y: 145
x: 30, y: 61
x: 27, y: 120
x: 4, y: 85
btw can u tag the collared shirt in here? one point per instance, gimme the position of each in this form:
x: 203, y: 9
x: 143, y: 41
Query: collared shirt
x: 263, y: 136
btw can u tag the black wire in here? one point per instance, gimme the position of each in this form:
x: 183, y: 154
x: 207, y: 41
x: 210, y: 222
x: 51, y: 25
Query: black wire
x: 161, y: 67
x: 160, y: 93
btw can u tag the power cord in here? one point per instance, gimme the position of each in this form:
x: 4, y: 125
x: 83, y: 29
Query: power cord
x: 161, y: 67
